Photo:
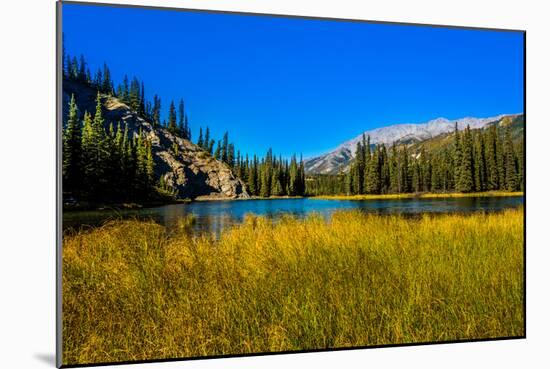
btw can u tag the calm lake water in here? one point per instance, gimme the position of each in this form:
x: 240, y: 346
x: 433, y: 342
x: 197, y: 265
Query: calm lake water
x: 214, y: 216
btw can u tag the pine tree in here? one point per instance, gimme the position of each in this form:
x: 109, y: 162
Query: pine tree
x: 74, y: 69
x: 210, y: 147
x: 466, y: 179
x: 187, y: 128
x: 372, y: 176
x: 218, y: 152
x: 252, y: 182
x: 359, y: 168
x: 106, y: 85
x: 266, y: 169
x: 501, y: 163
x: 134, y: 95
x: 72, y: 150
x: 125, y: 91
x: 82, y: 69
x: 231, y: 155
x: 206, y: 142
x: 156, y: 111
x: 88, y: 144
x: 294, y: 179
x: 225, y: 147
x: 142, y: 101
x: 181, y: 120
x: 276, y: 188
x: 200, y: 141
x: 457, y: 158
x: 149, y: 166
x: 491, y: 159
x: 480, y: 165
x: 521, y: 166
x: 394, y: 170
x: 172, y: 128
x: 510, y: 163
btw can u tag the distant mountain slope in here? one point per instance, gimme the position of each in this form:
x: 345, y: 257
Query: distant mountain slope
x: 192, y: 171
x: 340, y: 158
x: 436, y: 144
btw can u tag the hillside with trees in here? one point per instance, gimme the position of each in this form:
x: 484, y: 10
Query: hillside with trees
x: 116, y: 149
x: 473, y: 160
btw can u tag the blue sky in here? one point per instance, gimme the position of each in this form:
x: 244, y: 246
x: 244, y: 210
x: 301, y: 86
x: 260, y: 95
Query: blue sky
x: 300, y: 86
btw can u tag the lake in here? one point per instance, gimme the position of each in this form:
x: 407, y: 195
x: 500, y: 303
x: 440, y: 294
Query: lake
x: 214, y: 216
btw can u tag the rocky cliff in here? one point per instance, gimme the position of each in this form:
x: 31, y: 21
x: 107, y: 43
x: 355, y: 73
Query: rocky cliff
x: 193, y: 172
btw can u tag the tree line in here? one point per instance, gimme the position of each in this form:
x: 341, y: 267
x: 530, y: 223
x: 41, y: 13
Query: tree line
x: 271, y: 176
x: 478, y: 160
x: 267, y: 176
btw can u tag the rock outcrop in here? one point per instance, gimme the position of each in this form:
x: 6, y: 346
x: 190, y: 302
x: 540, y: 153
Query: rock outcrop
x: 189, y: 169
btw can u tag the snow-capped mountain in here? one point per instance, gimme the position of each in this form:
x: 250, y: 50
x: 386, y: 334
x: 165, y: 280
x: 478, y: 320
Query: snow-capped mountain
x: 338, y: 159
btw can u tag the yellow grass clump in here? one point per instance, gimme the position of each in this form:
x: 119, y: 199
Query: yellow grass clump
x: 133, y: 291
x: 420, y: 195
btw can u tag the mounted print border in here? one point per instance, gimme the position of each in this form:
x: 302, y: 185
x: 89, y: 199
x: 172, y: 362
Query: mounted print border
x: 258, y: 189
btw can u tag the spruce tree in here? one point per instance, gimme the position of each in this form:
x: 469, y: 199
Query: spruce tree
x: 125, y: 91
x: 359, y: 167
x: 457, y: 158
x: 501, y: 163
x: 231, y: 155
x: 225, y: 147
x: 491, y: 159
x: 466, y: 179
x: 82, y: 69
x: 149, y: 166
x: 206, y: 142
x: 106, y: 83
x: 394, y: 170
x: 156, y: 111
x: 252, y: 180
x: 200, y: 141
x: 72, y: 150
x: 521, y: 166
x: 372, y: 177
x: 142, y: 102
x: 187, y: 128
x: 88, y: 144
x: 510, y: 163
x: 210, y: 147
x: 181, y: 120
x: 218, y: 152
x: 172, y: 128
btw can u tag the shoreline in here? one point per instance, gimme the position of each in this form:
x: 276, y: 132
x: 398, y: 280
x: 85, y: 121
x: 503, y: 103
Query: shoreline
x: 419, y: 196
x: 134, y: 206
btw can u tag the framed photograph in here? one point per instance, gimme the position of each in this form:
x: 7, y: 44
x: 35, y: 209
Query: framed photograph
x: 240, y: 184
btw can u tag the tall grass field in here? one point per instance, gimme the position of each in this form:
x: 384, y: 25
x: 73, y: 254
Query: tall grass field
x: 133, y: 290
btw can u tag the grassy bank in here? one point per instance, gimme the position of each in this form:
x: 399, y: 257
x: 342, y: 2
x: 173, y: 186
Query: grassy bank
x: 131, y: 291
x: 420, y: 195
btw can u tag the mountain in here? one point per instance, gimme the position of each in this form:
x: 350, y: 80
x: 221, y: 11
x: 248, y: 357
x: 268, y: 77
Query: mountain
x: 192, y: 171
x: 339, y: 159
x: 515, y: 123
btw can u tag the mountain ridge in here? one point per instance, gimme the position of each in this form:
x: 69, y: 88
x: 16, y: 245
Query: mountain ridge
x: 338, y: 159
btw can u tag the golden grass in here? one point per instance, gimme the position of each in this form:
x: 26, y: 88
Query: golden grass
x: 420, y: 195
x: 133, y: 291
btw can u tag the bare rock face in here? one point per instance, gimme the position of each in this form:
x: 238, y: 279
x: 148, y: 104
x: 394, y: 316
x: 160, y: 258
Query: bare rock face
x: 184, y: 166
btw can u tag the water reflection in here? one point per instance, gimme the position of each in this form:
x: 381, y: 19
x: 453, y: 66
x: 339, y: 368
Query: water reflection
x: 215, y: 216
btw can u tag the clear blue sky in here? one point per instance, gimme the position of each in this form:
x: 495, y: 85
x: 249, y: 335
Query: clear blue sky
x: 300, y: 85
